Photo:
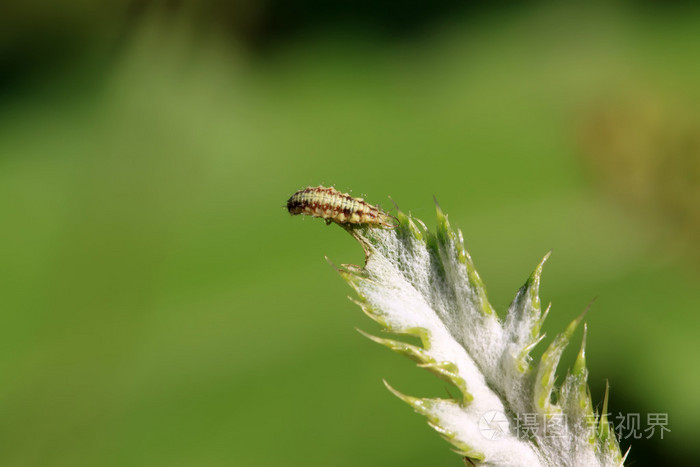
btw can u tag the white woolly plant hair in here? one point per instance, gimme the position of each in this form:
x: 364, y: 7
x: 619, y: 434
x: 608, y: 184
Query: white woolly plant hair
x: 422, y: 284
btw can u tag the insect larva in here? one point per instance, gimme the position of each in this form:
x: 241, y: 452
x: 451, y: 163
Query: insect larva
x: 334, y: 206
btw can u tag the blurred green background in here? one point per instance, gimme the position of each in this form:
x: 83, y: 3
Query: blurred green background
x: 161, y: 308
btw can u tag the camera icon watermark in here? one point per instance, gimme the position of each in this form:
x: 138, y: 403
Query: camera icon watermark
x: 493, y: 425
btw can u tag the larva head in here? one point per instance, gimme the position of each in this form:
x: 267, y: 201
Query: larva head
x: 295, y: 203
x: 299, y: 201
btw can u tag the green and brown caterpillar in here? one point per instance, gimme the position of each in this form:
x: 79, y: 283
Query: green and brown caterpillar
x: 333, y: 206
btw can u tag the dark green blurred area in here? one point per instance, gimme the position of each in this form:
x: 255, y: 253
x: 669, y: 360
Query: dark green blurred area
x: 160, y: 307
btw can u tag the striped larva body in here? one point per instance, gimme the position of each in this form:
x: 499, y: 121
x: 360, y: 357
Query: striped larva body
x: 334, y: 206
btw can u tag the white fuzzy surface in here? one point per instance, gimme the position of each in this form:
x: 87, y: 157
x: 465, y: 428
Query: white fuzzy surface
x: 407, y: 287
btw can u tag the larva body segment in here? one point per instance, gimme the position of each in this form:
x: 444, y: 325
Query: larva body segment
x: 334, y: 206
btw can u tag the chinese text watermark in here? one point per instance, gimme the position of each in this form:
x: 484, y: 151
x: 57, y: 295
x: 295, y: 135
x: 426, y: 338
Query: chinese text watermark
x: 493, y: 425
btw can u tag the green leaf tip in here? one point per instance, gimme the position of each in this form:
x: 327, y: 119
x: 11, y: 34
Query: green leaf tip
x: 533, y: 287
x: 604, y: 424
x: 407, y: 227
x: 423, y: 406
x: 430, y: 409
x: 547, y: 368
x: 524, y: 319
x: 411, y: 351
x: 446, y: 371
x: 450, y: 247
x: 579, y: 368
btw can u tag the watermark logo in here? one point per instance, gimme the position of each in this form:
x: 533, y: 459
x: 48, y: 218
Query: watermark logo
x: 493, y: 425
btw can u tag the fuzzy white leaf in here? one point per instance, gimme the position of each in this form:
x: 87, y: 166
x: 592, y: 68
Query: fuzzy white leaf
x: 424, y: 284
